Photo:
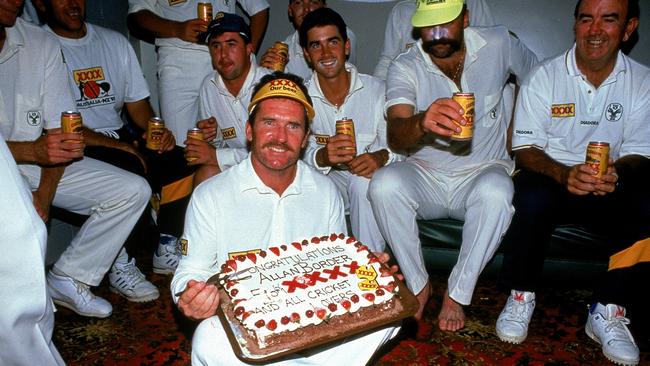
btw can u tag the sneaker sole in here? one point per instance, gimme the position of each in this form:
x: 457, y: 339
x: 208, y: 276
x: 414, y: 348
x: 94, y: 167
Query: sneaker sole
x: 68, y: 306
x: 145, y: 298
x: 610, y: 357
x: 511, y: 339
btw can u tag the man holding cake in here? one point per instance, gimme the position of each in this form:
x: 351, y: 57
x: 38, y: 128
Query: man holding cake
x: 442, y: 177
x: 270, y: 198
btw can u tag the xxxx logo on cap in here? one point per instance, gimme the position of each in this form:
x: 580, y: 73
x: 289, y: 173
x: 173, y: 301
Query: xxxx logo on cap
x: 282, y: 88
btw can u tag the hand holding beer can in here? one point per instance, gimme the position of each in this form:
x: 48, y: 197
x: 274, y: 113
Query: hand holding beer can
x: 345, y: 126
x: 204, y: 11
x: 196, y: 134
x: 466, y: 101
x: 283, y: 50
x: 71, y: 122
x: 155, y: 132
x: 598, y: 157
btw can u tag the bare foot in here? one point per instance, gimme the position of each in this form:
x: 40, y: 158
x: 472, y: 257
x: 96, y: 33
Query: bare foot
x: 451, y: 317
x: 423, y: 297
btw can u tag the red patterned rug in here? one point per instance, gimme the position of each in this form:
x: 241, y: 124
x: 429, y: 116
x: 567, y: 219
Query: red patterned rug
x: 155, y: 333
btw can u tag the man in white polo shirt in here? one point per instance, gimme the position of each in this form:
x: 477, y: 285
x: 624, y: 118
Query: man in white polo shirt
x: 398, y: 36
x: 183, y: 61
x: 224, y: 97
x: 33, y: 93
x: 442, y: 177
x: 591, y: 92
x: 339, y: 91
x: 297, y: 64
x: 271, y: 197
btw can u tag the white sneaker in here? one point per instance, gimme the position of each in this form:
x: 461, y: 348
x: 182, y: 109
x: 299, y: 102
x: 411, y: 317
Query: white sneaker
x: 167, y: 256
x: 76, y: 296
x: 127, y: 280
x: 607, y: 325
x: 512, y: 325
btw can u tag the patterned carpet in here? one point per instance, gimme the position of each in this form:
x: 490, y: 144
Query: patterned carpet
x: 156, y: 334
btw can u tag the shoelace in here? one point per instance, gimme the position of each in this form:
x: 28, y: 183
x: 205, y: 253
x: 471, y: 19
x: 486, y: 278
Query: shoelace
x: 516, y: 310
x: 132, y: 274
x: 618, y: 326
x: 84, y: 290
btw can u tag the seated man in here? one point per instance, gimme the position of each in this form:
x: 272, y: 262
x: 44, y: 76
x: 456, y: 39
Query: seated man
x: 27, y: 318
x: 103, y: 68
x: 442, y: 177
x: 297, y: 64
x: 183, y: 59
x: 223, y: 98
x: 399, y: 36
x: 591, y: 92
x: 340, y: 91
x: 269, y: 198
x: 33, y: 93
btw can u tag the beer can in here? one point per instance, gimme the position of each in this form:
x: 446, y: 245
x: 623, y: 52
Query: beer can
x: 283, y: 50
x: 598, y: 156
x: 155, y: 131
x: 196, y: 134
x: 71, y: 122
x: 466, y: 101
x: 204, y: 11
x: 345, y: 126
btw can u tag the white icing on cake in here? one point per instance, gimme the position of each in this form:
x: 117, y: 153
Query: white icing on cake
x: 295, y: 285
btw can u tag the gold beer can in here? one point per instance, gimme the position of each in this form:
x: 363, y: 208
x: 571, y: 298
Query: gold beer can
x: 466, y: 101
x: 345, y: 126
x: 598, y: 156
x: 204, y: 11
x: 196, y: 134
x: 155, y: 132
x: 283, y: 50
x: 71, y: 122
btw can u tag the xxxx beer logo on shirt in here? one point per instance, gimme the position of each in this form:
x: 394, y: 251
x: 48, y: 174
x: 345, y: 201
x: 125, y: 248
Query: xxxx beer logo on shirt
x: 93, y: 88
x: 563, y: 110
x: 176, y: 2
x: 228, y: 133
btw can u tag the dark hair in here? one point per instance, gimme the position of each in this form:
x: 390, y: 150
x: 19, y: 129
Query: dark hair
x: 633, y: 10
x: 320, y: 18
x: 275, y: 76
x: 322, y: 1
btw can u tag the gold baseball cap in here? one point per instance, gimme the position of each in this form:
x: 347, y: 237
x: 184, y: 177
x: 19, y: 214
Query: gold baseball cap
x: 434, y: 12
x: 282, y: 88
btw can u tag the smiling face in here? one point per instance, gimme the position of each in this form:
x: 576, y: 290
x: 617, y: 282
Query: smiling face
x: 600, y: 28
x: 230, y: 55
x: 326, y: 51
x: 66, y: 17
x: 277, y: 136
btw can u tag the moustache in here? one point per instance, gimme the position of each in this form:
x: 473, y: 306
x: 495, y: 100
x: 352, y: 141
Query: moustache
x: 277, y: 144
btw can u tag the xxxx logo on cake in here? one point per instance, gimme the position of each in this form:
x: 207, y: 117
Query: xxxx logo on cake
x: 368, y: 277
x: 94, y: 90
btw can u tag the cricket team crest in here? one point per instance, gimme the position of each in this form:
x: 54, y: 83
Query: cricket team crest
x: 34, y: 118
x: 614, y: 112
x: 94, y: 90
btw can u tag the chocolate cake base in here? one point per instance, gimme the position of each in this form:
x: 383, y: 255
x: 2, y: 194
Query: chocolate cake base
x: 247, y: 347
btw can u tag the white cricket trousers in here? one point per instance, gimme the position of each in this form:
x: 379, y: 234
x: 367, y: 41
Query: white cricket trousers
x: 113, y: 198
x: 180, y: 74
x: 354, y: 190
x: 210, y: 346
x: 403, y: 192
x: 26, y: 313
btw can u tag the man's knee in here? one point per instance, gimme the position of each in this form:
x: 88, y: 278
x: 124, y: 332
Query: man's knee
x: 358, y: 187
x: 385, y: 183
x: 494, y: 189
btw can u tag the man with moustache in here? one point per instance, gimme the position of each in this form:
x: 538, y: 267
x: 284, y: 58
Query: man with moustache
x: 466, y: 180
x: 340, y: 91
x: 33, y: 93
x: 591, y: 92
x: 183, y: 59
x: 223, y: 98
x: 297, y: 64
x: 269, y: 198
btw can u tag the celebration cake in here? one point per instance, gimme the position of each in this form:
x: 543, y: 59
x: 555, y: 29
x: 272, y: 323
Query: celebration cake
x: 301, y: 294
